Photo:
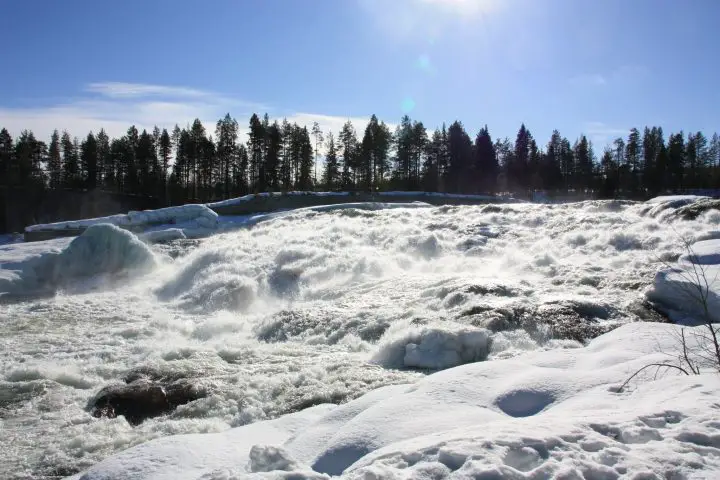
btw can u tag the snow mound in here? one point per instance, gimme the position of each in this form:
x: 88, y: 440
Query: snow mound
x: 690, y: 291
x: 100, y: 250
x: 552, y: 414
x: 675, y: 201
x: 197, y: 215
x: 432, y: 348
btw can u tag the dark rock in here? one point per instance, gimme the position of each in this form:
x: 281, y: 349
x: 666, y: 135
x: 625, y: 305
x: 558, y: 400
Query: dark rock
x: 142, y: 399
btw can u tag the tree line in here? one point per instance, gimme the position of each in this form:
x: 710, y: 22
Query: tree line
x: 191, y: 164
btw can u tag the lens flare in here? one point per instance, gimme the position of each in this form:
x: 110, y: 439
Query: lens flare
x: 407, y: 105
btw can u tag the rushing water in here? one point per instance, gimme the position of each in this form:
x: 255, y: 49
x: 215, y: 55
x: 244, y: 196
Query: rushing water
x: 312, y: 307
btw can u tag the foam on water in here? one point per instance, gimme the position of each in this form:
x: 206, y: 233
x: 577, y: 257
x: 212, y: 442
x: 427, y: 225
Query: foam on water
x: 308, y: 307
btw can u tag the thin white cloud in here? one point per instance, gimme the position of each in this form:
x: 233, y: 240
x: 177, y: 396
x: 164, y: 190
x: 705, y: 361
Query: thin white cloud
x: 602, y: 134
x: 589, y: 79
x: 624, y: 75
x: 121, y: 105
x: 138, y: 90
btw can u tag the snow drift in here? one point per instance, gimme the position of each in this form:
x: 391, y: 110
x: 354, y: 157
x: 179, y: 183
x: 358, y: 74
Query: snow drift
x: 555, y: 414
x: 690, y: 291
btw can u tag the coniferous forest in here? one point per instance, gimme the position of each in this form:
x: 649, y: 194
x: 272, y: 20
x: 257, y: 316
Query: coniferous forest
x: 200, y: 164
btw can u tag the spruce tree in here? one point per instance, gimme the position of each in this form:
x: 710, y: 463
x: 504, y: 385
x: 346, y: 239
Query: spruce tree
x: 71, y: 168
x: 6, y: 156
x: 88, y: 161
x: 331, y: 175
x: 485, y: 163
x: 55, y: 161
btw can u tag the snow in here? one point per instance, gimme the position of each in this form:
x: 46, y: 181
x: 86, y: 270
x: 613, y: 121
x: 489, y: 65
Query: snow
x: 433, y: 348
x: 552, y: 414
x: 201, y: 215
x: 690, y: 291
x: 247, y: 198
x: 676, y: 200
x: 102, y: 249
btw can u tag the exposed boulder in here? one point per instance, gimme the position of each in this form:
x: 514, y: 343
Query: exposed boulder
x: 142, y: 399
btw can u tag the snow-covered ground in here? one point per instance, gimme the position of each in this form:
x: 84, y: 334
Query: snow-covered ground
x: 276, y: 316
x: 553, y: 414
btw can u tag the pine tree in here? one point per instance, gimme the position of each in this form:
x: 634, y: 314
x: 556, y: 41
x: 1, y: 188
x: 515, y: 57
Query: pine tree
x: 7, y: 152
x: 348, y: 148
x: 676, y: 160
x: 89, y: 161
x: 240, y: 167
x: 164, y: 152
x: 256, y: 140
x: 55, y: 161
x: 331, y: 175
x: 226, y: 132
x: 103, y: 156
x: 518, y: 167
x: 195, y: 156
x: 30, y: 154
x: 306, y: 159
x: 633, y: 151
x: 584, y: 163
x: 459, y: 158
x: 552, y: 171
x: 71, y: 168
x: 318, y: 135
x: 273, y: 156
x: 486, y: 164
x: 430, y: 171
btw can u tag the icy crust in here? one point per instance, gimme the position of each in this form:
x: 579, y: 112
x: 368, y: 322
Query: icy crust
x: 553, y: 414
x: 251, y: 197
x: 690, y: 291
x: 200, y: 215
x: 102, y: 249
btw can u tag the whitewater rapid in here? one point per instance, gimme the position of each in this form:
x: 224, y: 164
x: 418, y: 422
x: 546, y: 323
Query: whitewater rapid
x: 308, y: 307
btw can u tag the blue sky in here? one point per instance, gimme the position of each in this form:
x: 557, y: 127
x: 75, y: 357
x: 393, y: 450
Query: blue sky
x: 582, y: 66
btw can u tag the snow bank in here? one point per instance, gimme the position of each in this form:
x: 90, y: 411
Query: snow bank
x: 553, y: 414
x: 201, y: 215
x: 690, y: 291
x: 248, y: 198
x: 675, y: 200
x: 100, y: 250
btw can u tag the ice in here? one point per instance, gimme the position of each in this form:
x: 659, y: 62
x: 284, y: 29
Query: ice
x: 433, y: 348
x: 102, y: 249
x: 553, y: 414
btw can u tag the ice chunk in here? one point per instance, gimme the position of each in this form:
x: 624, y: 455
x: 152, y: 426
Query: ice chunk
x: 433, y: 348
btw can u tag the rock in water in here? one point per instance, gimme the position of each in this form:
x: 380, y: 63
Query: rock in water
x: 141, y: 399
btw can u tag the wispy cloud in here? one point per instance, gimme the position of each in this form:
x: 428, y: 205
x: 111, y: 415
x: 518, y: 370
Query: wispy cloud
x: 140, y: 90
x: 115, y: 106
x: 621, y: 76
x: 602, y: 134
x: 589, y: 79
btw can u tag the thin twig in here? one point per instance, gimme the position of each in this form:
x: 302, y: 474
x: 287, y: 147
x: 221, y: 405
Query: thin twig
x: 668, y: 365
